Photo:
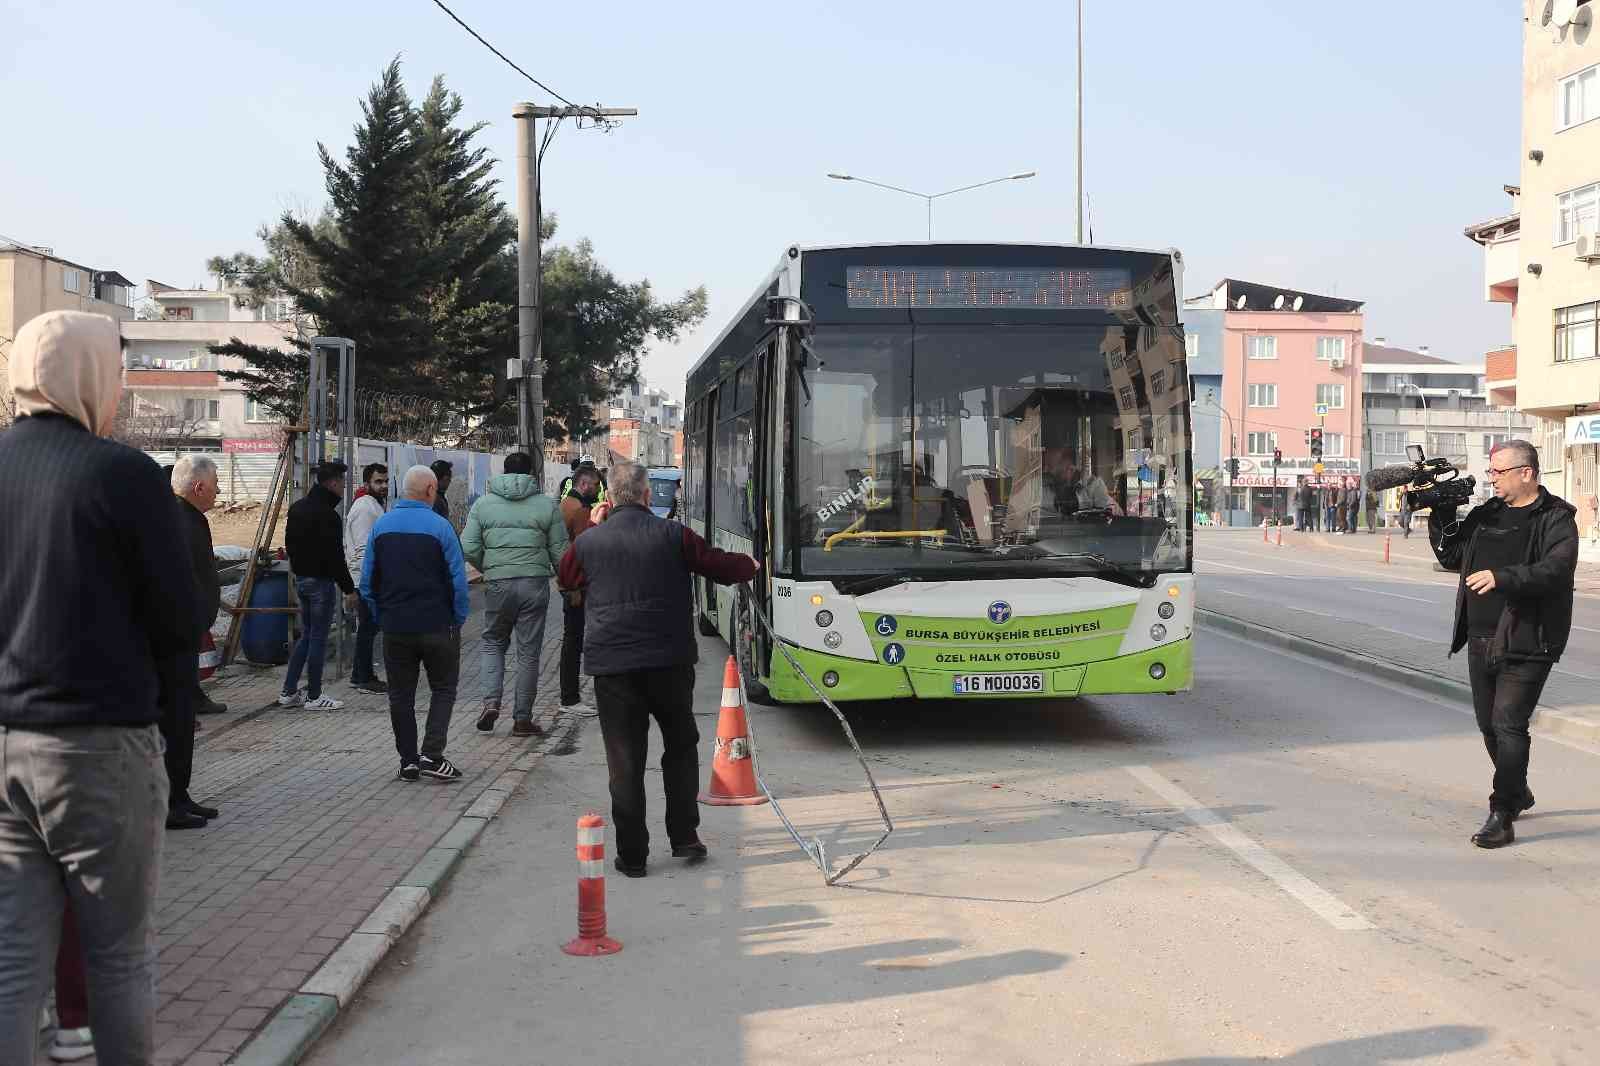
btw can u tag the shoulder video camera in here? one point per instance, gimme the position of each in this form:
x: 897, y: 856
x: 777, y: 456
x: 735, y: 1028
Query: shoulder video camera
x: 1436, y: 482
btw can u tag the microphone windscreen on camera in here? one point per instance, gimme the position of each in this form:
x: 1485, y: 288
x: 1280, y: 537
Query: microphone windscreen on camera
x: 1389, y: 477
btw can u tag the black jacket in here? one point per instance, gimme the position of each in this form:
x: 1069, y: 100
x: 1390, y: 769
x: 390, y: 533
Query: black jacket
x: 95, y: 584
x: 315, y: 539
x: 202, y: 559
x: 1538, y: 592
x: 634, y: 569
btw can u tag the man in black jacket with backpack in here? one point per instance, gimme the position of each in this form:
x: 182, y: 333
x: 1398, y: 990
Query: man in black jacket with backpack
x: 1517, y: 555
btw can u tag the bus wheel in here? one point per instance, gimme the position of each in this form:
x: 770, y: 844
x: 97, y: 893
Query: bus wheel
x: 744, y: 650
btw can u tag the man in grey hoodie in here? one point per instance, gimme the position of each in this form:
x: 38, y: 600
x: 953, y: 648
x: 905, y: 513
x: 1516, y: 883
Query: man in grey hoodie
x: 515, y: 535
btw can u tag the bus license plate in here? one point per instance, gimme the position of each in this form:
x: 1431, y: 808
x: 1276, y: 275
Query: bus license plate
x: 998, y: 684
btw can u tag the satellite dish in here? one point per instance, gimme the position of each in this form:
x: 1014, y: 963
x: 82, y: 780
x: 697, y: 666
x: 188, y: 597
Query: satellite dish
x: 1240, y: 302
x: 1562, y: 11
x: 1583, y: 20
x: 1299, y: 302
x: 1277, y: 305
x: 1547, y: 15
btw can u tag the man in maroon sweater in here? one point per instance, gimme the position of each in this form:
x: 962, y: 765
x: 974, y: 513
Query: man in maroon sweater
x: 638, y: 645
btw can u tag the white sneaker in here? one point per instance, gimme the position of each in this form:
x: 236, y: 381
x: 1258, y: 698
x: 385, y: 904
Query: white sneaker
x: 324, y: 703
x: 292, y: 700
x: 70, y: 1045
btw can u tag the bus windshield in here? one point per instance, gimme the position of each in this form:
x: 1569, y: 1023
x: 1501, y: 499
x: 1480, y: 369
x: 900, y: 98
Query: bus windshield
x: 987, y: 448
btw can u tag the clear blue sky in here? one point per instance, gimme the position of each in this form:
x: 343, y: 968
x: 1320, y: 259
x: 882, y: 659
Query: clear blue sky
x: 1323, y: 147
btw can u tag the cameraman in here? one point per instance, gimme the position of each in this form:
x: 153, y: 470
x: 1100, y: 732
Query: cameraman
x: 1517, y: 554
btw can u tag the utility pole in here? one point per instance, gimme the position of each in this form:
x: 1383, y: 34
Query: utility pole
x: 530, y: 349
x: 1080, y: 121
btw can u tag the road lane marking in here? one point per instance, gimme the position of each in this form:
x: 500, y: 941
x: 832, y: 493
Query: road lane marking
x: 1318, y: 900
x: 1246, y: 569
x: 1396, y: 595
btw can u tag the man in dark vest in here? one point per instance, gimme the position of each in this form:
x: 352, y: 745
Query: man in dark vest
x: 634, y: 570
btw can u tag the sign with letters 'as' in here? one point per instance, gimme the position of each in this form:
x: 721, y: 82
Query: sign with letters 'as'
x: 1583, y: 429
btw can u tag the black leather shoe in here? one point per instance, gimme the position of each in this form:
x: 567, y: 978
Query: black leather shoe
x: 210, y: 706
x: 1527, y: 804
x: 184, y: 819
x: 1496, y: 832
x: 628, y: 869
x: 694, y: 851
x: 205, y: 812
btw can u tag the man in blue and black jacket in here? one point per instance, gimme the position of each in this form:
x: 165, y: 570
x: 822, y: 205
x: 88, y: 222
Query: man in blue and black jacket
x: 414, y: 582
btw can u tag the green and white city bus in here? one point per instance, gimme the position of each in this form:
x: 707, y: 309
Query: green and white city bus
x: 964, y: 467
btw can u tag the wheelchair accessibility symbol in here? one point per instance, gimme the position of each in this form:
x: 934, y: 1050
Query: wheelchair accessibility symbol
x: 886, y: 625
x: 893, y: 654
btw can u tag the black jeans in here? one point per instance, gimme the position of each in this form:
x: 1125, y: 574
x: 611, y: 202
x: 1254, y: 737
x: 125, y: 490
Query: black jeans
x: 627, y: 702
x: 1504, y: 699
x: 179, y: 682
x: 571, y: 652
x: 404, y: 656
x: 366, y: 635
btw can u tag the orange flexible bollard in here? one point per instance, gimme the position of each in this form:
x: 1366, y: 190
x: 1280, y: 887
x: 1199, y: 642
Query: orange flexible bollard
x: 591, y: 938
x: 1387, y: 538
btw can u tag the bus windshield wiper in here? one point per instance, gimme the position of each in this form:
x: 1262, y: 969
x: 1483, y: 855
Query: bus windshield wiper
x: 1107, y: 566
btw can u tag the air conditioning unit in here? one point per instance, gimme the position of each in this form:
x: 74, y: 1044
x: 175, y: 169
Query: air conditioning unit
x: 1587, y: 249
x: 1337, y: 362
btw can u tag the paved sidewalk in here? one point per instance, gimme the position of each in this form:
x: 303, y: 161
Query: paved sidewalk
x: 316, y: 827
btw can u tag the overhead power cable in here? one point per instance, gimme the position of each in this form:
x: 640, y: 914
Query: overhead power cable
x: 504, y: 58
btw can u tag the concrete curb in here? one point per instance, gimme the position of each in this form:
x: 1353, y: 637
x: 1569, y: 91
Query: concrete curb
x: 292, y: 1032
x: 1547, y: 720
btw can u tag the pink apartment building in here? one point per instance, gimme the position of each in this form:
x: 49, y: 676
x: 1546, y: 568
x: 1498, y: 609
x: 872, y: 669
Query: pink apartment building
x: 1291, y: 362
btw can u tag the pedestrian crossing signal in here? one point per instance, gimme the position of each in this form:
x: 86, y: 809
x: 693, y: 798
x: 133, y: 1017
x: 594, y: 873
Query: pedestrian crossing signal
x: 1277, y: 455
x: 1316, y: 443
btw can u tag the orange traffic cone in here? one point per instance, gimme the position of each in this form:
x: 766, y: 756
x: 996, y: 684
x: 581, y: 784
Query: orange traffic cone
x: 733, y: 763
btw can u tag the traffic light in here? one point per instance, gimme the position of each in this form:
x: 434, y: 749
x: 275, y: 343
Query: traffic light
x: 1316, y: 443
x: 1277, y: 455
x: 1233, y: 468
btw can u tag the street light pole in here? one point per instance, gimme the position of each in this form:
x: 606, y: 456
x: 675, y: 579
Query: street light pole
x: 530, y: 349
x: 1080, y: 122
x: 931, y: 197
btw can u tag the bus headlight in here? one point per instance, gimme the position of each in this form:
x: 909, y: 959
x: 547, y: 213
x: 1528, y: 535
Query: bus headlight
x: 832, y: 638
x: 830, y: 678
x: 824, y: 619
x: 1165, y: 609
x: 816, y: 599
x: 1157, y: 671
x: 1158, y: 632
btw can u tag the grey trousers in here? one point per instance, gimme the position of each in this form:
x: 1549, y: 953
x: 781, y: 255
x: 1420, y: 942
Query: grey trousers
x: 82, y: 813
x: 514, y: 606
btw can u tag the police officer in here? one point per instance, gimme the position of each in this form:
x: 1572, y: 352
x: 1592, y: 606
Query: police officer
x: 1516, y: 554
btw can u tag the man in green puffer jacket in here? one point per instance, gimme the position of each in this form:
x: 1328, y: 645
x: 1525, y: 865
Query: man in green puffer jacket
x: 516, y: 537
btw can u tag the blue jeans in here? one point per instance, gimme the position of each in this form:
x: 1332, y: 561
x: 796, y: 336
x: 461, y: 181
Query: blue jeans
x: 317, y: 596
x: 82, y: 812
x: 366, y: 637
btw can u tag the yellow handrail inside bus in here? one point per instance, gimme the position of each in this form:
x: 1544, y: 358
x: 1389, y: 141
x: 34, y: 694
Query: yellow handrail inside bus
x: 896, y: 534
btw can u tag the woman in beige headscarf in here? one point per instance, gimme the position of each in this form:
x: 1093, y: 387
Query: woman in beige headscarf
x: 69, y: 363
x: 99, y: 600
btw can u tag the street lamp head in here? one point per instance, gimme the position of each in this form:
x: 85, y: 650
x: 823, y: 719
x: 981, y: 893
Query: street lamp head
x: 1025, y: 174
x: 841, y: 177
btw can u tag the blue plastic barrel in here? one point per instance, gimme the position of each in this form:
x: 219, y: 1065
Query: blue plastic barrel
x: 266, y: 636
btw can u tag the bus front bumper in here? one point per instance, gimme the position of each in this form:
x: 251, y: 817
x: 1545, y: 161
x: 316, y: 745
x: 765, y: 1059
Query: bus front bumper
x: 858, y: 680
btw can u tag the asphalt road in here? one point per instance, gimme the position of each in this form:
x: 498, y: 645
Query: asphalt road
x: 1343, y: 583
x: 1273, y: 867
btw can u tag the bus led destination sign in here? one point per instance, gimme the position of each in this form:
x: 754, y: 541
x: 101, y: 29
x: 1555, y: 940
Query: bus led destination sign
x: 983, y: 288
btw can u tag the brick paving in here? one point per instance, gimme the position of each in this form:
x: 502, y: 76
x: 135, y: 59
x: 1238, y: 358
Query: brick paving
x: 316, y: 827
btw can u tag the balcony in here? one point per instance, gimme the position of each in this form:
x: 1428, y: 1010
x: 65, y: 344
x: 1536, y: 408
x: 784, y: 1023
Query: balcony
x: 1502, y: 269
x: 1500, y: 376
